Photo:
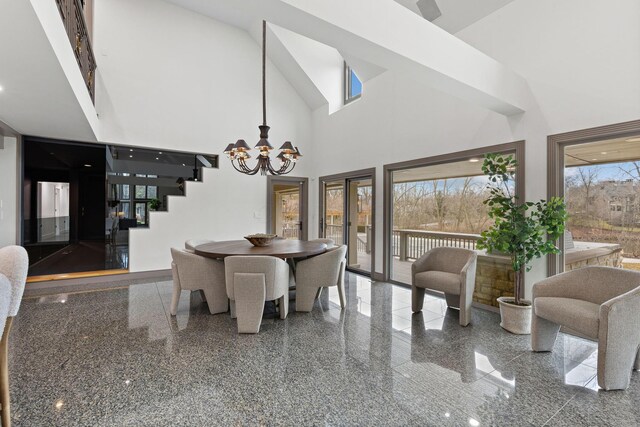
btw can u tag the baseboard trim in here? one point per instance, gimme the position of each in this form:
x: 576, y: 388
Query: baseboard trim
x: 95, y: 283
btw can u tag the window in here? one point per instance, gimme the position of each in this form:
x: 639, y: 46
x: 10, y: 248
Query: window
x: 141, y: 213
x: 152, y: 192
x: 125, y: 192
x: 141, y: 192
x: 352, y: 85
x: 436, y: 202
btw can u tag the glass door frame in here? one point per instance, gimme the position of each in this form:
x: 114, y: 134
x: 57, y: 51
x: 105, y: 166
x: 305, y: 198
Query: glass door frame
x: 303, y: 185
x: 555, y: 167
x: 345, y: 178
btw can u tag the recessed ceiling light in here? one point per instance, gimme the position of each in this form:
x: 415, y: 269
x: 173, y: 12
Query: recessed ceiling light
x: 130, y: 155
x: 87, y: 166
x: 130, y: 149
x: 157, y: 158
x: 474, y: 160
x: 59, y: 404
x: 159, y: 152
x: 632, y: 140
x: 184, y: 164
x: 603, y: 152
x: 594, y: 159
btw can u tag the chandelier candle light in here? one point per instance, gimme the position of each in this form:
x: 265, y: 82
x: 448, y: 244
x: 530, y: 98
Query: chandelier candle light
x: 239, y: 152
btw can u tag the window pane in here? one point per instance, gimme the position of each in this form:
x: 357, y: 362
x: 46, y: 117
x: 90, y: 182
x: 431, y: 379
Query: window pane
x: 125, y: 209
x: 141, y: 213
x: 141, y: 192
x: 152, y: 192
x: 355, y: 85
x: 125, y: 192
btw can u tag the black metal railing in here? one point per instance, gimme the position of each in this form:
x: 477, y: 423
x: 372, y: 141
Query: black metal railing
x: 72, y: 14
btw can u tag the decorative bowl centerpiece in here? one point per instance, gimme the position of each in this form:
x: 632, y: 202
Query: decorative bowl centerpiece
x: 260, y: 239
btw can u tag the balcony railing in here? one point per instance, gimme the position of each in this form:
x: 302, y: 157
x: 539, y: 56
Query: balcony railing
x: 411, y: 244
x: 73, y: 18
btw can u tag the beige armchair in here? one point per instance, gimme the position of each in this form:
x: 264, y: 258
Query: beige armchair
x: 14, y: 264
x: 448, y: 270
x: 194, y: 272
x: 601, y: 303
x: 252, y: 280
x: 321, y: 271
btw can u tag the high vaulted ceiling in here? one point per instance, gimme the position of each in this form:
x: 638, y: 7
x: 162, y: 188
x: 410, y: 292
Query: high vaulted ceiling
x: 389, y: 36
x: 459, y: 14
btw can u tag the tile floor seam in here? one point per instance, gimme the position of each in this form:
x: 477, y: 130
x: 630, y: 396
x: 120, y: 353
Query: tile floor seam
x: 559, y: 410
x: 166, y: 315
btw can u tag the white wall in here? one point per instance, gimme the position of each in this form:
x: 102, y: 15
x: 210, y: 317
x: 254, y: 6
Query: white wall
x: 173, y: 79
x: 8, y: 191
x: 582, y: 61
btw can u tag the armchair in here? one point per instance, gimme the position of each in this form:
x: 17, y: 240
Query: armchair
x: 319, y: 272
x: 601, y: 303
x: 448, y: 270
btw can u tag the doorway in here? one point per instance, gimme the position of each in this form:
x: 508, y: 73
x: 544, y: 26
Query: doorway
x: 347, y: 216
x: 287, y: 207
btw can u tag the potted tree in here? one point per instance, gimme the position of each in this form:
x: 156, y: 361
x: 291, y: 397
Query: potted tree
x: 523, y: 231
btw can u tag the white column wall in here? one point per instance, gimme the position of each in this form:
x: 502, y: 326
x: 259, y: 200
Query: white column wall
x: 581, y: 75
x: 8, y: 191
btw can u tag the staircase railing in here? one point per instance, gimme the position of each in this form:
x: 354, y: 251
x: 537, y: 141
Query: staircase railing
x: 72, y: 14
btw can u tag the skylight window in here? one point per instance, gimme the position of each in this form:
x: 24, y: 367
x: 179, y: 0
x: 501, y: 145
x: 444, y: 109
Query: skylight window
x: 352, y: 85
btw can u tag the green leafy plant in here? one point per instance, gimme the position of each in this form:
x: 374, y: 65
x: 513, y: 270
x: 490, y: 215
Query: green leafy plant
x: 524, y: 231
x: 154, y: 204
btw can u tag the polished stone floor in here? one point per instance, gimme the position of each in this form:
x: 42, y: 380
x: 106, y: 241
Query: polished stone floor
x: 118, y: 358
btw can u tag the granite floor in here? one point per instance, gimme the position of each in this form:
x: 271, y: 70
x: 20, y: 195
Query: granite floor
x: 117, y: 358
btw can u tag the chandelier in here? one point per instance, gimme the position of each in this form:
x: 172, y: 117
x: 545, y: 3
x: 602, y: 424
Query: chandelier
x: 238, y: 153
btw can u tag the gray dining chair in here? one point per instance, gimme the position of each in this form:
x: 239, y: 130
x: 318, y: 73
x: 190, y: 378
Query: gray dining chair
x: 252, y: 280
x: 191, y: 244
x: 197, y: 273
x: 318, y: 272
x: 329, y: 242
x: 14, y: 264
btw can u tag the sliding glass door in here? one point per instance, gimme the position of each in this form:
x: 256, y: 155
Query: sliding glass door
x: 346, y: 216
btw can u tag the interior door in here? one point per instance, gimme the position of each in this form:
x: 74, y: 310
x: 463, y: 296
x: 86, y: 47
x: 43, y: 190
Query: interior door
x: 287, y: 207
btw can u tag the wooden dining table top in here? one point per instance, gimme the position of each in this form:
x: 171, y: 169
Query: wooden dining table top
x: 280, y: 248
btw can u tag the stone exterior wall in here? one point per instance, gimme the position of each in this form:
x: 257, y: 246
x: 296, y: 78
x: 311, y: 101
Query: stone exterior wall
x: 611, y: 258
x: 494, y: 278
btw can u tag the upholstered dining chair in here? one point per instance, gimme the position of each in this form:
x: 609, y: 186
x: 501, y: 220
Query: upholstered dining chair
x: 318, y: 272
x: 14, y: 264
x: 329, y: 242
x: 194, y: 272
x: 448, y: 270
x: 252, y: 280
x: 601, y: 303
x: 191, y: 244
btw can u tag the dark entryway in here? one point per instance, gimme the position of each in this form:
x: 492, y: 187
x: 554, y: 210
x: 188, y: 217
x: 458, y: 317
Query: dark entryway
x: 64, y: 206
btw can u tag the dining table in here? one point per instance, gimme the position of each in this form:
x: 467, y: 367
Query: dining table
x: 280, y: 248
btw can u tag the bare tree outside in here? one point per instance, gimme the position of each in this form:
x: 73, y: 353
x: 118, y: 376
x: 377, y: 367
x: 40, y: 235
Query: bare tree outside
x: 603, y: 203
